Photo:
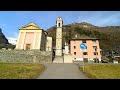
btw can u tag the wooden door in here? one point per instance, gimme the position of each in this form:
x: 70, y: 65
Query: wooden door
x: 28, y: 46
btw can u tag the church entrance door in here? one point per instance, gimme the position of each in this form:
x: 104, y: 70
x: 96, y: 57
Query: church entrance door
x: 28, y: 46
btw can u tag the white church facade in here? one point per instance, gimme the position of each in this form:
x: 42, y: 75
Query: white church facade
x: 32, y: 37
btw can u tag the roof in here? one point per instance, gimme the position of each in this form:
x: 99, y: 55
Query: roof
x: 59, y: 18
x: 46, y: 32
x: 30, y: 26
x: 84, y: 38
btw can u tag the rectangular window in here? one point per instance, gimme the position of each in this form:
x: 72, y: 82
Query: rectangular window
x: 95, y: 48
x: 95, y: 53
x: 85, y: 53
x: 74, y: 53
x: 74, y: 47
x: 83, y: 41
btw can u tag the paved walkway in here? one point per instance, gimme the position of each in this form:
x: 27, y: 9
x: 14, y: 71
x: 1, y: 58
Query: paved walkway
x: 62, y: 71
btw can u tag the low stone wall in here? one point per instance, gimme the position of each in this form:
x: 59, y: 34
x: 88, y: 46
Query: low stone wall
x: 25, y: 56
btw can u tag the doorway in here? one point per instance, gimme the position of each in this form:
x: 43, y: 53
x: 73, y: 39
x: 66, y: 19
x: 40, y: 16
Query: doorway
x: 28, y: 46
x: 85, y: 59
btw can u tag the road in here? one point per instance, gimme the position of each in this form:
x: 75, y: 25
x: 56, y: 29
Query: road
x: 62, y: 71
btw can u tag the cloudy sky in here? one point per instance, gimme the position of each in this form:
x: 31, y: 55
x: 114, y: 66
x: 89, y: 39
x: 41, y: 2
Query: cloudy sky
x: 10, y: 21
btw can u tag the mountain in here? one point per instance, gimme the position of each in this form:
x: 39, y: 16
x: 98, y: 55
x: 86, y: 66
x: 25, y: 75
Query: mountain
x: 3, y: 39
x: 12, y: 41
x: 109, y: 35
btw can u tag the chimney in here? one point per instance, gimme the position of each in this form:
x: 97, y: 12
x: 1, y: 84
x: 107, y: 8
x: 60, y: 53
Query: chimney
x: 65, y: 43
x: 76, y: 36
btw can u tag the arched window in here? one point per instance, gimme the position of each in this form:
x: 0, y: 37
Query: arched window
x: 58, y: 24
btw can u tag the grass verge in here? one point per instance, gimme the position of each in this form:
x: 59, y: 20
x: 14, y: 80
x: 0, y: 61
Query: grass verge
x: 102, y: 71
x: 20, y: 71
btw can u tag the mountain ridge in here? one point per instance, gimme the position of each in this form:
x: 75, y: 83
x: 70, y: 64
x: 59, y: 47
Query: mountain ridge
x: 4, y: 43
x: 3, y: 39
x: 109, y: 35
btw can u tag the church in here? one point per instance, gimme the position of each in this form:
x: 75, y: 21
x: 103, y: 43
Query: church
x: 32, y: 37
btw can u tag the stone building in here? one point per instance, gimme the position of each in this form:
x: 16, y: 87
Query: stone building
x: 49, y: 44
x: 59, y: 23
x: 32, y: 37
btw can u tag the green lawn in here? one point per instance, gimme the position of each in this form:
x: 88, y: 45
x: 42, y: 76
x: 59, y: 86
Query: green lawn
x: 20, y: 71
x: 102, y: 71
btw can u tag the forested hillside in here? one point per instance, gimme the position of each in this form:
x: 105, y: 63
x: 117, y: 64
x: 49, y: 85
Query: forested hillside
x: 109, y: 36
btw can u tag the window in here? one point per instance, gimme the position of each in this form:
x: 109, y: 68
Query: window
x: 85, y: 53
x: 95, y: 53
x: 94, y: 41
x: 95, y: 48
x: 58, y: 24
x: 83, y: 41
x: 74, y: 53
x: 74, y: 58
x: 74, y: 47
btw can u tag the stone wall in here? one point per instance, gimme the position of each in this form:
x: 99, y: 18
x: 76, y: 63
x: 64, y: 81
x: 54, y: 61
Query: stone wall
x: 25, y: 56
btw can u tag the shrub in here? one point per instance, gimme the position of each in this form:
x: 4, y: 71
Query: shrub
x: 105, y: 59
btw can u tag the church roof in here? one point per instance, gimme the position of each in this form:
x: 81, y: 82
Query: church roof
x: 30, y: 26
x: 59, y: 18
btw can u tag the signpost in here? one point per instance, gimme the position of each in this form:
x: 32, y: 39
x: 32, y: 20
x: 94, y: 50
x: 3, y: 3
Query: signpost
x: 83, y: 47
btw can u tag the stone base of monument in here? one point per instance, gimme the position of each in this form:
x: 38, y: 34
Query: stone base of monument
x: 58, y: 59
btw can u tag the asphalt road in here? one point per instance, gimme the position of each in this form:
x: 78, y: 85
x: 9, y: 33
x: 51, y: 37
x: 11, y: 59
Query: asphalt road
x: 62, y: 71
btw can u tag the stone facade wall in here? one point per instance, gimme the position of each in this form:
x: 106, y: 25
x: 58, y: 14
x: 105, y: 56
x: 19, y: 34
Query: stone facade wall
x: 25, y: 56
x: 49, y: 46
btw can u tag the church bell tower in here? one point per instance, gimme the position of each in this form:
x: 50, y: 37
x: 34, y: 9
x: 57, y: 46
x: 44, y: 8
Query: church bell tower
x: 59, y: 23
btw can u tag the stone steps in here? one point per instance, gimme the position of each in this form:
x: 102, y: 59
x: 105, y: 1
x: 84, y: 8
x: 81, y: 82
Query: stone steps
x: 58, y: 60
x: 68, y: 58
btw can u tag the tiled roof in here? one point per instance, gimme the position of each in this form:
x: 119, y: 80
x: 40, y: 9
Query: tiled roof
x: 84, y: 38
